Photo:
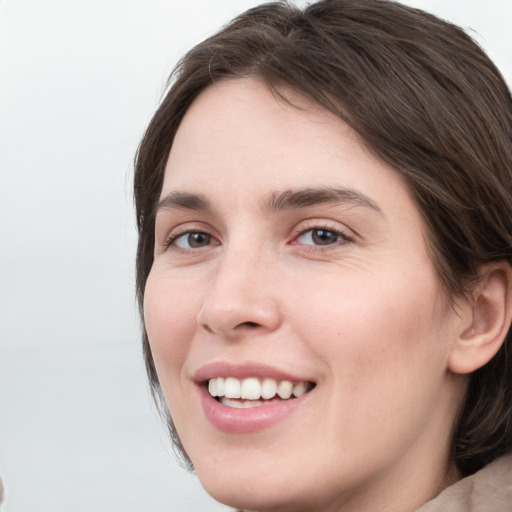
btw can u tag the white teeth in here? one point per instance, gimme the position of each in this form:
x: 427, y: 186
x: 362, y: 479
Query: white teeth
x: 268, y: 389
x: 285, y: 389
x: 216, y: 386
x: 232, y: 388
x: 299, y: 389
x: 251, y: 389
x: 241, y: 404
x: 254, y: 389
x: 212, y: 387
x: 219, y: 386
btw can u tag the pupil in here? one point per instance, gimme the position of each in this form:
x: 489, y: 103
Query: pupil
x: 198, y: 239
x: 324, y: 237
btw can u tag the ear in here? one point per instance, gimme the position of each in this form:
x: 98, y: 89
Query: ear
x: 485, y: 320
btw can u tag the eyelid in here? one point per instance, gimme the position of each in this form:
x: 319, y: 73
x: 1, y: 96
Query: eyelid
x: 347, y: 235
x: 326, y: 224
x: 344, y: 235
x: 186, y: 228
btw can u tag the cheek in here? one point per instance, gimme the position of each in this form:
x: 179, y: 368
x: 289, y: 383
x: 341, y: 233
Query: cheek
x: 386, y: 348
x: 170, y: 319
x: 387, y: 328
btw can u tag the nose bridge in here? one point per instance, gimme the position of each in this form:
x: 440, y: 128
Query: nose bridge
x: 242, y: 295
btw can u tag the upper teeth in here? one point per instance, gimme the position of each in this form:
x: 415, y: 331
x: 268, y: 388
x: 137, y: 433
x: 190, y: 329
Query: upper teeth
x: 254, y: 389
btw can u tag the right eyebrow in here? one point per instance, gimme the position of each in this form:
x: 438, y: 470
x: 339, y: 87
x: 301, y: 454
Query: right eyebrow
x: 184, y: 201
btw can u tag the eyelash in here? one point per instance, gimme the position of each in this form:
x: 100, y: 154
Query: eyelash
x: 343, y: 238
x: 173, y: 237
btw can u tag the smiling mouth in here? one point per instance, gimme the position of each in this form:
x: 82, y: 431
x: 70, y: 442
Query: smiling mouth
x: 254, y: 392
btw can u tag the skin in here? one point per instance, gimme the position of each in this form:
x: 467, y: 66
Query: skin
x: 363, y: 316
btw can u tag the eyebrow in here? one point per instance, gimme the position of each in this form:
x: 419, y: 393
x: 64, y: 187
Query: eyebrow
x: 302, y: 198
x: 185, y: 201
x: 278, y: 201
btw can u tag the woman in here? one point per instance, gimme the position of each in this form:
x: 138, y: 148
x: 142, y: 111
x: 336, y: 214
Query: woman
x: 325, y: 219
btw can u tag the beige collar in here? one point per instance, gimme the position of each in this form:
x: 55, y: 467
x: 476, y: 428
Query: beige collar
x: 488, y: 490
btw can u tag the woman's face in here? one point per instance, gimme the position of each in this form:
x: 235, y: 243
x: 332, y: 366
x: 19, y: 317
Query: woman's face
x: 289, y: 259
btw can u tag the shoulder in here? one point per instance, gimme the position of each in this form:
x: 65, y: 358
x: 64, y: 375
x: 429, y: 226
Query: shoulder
x: 488, y: 490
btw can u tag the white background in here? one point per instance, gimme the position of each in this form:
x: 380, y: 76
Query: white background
x: 78, y: 83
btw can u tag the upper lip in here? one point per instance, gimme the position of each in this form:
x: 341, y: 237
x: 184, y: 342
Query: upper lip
x: 243, y: 371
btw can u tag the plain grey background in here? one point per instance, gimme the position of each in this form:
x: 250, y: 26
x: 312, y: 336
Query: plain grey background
x: 78, y: 83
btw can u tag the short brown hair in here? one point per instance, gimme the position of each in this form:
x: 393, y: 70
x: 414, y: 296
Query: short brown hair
x: 425, y: 99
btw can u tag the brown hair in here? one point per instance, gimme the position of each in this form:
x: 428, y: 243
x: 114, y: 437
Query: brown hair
x: 426, y: 100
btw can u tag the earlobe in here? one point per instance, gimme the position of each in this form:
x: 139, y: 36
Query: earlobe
x: 488, y: 318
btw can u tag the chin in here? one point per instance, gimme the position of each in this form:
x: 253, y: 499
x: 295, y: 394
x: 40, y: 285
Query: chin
x: 269, y: 489
x: 251, y: 496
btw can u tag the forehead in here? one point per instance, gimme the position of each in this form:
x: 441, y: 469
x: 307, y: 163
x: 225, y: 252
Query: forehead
x: 238, y: 138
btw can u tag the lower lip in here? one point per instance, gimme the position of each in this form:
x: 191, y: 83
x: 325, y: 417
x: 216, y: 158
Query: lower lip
x: 244, y: 421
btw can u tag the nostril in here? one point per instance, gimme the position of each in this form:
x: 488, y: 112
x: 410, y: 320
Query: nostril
x: 208, y: 329
x: 248, y: 324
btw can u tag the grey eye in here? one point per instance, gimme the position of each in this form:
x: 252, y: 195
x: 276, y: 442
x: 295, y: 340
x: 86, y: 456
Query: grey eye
x: 320, y: 236
x: 193, y: 240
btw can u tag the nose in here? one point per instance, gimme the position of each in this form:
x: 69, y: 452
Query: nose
x: 242, y: 298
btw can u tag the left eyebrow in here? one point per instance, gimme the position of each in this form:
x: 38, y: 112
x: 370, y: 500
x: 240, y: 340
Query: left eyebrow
x: 302, y: 198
